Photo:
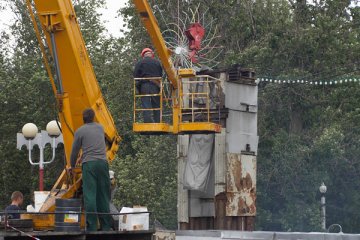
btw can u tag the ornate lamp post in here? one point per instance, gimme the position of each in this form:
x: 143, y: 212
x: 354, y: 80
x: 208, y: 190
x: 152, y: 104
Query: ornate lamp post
x: 31, y: 137
x: 322, y: 190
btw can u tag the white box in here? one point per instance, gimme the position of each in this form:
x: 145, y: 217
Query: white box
x: 131, y: 222
x: 40, y: 197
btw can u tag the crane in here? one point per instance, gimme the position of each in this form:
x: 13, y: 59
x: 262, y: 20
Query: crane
x: 76, y: 88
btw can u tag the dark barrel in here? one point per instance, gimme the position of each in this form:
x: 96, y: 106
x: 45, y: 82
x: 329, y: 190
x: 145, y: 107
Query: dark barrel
x: 67, y: 215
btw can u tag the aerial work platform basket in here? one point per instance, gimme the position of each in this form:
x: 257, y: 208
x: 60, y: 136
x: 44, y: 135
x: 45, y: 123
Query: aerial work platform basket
x: 192, y: 108
x: 153, y: 126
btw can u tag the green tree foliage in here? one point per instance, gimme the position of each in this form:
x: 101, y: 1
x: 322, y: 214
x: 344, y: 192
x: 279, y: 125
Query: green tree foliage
x: 322, y: 45
x: 25, y: 97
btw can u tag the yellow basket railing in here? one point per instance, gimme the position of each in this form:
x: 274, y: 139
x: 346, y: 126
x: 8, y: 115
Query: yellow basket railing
x: 137, y: 95
x: 199, y: 98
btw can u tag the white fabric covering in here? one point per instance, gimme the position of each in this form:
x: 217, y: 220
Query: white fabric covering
x: 198, y: 165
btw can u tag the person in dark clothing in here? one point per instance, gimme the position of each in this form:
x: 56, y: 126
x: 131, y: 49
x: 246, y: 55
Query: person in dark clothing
x: 95, y: 170
x: 149, y: 67
x: 17, y: 199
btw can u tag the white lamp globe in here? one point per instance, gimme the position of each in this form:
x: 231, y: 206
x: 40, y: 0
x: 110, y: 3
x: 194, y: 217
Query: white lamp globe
x: 322, y: 188
x: 29, y: 130
x: 53, y: 129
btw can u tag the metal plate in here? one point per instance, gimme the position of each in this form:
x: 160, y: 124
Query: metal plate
x: 236, y: 143
x: 241, y: 122
x: 241, y: 185
x: 236, y: 95
x: 241, y: 130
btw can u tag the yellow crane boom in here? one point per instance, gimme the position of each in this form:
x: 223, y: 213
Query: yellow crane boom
x: 176, y: 78
x: 151, y: 25
x: 75, y: 84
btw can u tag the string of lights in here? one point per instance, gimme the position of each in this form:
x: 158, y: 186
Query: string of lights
x: 344, y: 80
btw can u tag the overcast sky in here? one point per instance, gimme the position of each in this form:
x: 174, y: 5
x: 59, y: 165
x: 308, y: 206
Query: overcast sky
x: 111, y: 21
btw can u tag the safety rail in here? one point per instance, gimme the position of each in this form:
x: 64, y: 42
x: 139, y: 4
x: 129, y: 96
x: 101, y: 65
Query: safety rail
x: 137, y: 95
x: 200, y: 99
x: 153, y: 119
x: 5, y: 221
x: 195, y: 106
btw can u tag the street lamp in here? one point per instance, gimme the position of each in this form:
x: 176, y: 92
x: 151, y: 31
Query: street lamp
x: 31, y: 137
x: 322, y: 190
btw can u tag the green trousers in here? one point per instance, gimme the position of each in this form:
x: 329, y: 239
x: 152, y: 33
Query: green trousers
x: 96, y: 191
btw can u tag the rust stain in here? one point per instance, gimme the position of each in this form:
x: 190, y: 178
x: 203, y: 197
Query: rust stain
x: 236, y: 172
x: 241, y: 185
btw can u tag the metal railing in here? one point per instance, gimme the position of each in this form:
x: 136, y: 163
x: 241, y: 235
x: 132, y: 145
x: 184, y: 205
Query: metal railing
x: 5, y: 220
x: 137, y: 95
x: 200, y: 99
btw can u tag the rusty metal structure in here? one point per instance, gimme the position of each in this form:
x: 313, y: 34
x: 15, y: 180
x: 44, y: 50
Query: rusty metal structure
x: 229, y: 201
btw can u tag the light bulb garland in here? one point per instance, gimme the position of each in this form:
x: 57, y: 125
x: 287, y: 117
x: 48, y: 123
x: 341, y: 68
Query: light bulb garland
x: 346, y: 80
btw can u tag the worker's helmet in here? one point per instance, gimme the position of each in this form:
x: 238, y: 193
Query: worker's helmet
x: 145, y: 50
